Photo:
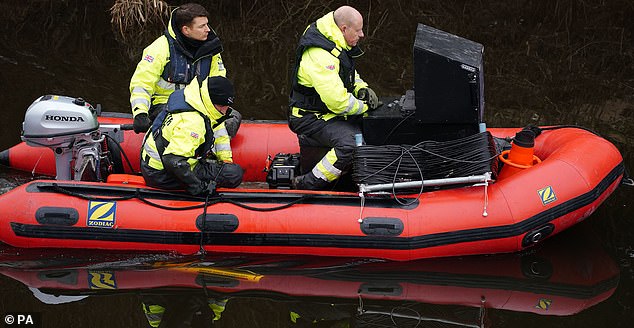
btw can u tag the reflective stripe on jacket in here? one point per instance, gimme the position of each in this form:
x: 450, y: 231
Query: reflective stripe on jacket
x: 319, y: 69
x: 166, y: 66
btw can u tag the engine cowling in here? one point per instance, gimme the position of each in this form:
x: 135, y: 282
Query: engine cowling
x: 53, y: 120
x: 69, y: 127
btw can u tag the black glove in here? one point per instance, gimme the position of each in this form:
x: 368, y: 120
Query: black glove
x: 232, y: 123
x: 141, y: 123
x: 178, y: 166
x: 369, y: 96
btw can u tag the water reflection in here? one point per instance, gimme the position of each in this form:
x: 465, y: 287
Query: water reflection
x: 558, y: 279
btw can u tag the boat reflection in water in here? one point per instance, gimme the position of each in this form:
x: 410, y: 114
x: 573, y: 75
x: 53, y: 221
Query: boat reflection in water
x: 560, y: 278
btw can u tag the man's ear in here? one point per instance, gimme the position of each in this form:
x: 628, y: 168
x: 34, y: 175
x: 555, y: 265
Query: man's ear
x: 185, y: 30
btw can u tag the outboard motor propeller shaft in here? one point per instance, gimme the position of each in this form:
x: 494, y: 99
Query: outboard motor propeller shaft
x: 69, y: 127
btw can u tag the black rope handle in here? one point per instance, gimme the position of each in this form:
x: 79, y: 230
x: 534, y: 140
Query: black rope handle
x: 209, y: 202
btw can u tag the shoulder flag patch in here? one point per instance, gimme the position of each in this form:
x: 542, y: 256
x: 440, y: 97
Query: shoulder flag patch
x: 330, y: 67
x: 148, y: 58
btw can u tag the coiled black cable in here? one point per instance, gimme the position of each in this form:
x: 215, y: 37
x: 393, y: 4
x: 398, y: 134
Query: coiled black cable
x: 125, y: 156
x: 472, y: 155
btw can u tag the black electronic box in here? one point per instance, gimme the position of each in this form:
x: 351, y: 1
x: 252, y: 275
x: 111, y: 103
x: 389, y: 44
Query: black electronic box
x: 284, y: 167
x: 447, y: 101
x: 448, y: 78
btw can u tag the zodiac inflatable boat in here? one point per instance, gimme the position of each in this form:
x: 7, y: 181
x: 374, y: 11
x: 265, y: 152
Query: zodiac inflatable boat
x: 569, y: 174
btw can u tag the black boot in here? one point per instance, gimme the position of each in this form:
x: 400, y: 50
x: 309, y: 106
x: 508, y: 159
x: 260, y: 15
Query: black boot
x: 309, y: 181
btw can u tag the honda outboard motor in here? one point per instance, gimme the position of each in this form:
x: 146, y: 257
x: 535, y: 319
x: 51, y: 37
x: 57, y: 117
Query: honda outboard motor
x: 69, y: 127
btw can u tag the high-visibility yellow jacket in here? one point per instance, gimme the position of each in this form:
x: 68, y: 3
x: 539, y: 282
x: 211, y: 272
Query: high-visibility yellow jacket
x: 166, y: 65
x: 185, y: 130
x: 320, y: 69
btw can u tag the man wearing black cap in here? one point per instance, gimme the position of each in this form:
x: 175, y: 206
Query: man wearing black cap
x: 189, y: 48
x: 188, y: 146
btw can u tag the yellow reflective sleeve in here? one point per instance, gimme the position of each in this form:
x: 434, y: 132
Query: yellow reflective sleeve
x: 147, y: 74
x: 358, y: 82
x: 222, y: 144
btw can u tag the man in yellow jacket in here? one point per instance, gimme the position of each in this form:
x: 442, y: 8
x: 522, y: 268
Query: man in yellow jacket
x: 188, y: 146
x: 189, y: 48
x: 328, y: 95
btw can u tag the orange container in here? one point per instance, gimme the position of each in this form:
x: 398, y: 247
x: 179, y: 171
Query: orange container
x: 520, y: 156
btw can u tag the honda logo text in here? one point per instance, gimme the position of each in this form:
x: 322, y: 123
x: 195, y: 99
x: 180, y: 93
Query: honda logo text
x: 59, y: 118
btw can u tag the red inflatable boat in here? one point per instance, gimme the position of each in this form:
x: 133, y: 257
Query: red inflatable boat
x: 574, y: 171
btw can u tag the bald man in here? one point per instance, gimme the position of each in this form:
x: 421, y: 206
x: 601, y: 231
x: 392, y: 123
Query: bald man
x: 328, y: 96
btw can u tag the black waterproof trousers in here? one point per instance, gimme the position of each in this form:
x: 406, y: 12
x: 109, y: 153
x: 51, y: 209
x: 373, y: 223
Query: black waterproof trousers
x: 226, y: 175
x: 337, y: 133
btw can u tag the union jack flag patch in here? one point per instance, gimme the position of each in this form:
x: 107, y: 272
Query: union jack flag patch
x: 330, y: 67
x: 148, y: 58
x: 194, y: 135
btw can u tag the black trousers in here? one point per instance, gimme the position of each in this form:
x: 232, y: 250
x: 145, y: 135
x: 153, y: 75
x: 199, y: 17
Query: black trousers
x: 226, y: 175
x: 336, y: 133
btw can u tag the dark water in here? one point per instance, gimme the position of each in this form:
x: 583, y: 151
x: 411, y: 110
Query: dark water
x: 555, y: 62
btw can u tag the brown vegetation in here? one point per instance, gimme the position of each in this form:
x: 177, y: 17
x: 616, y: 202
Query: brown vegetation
x: 135, y: 20
x: 545, y: 61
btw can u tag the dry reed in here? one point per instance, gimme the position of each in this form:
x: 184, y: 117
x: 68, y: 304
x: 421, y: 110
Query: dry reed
x: 130, y: 16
